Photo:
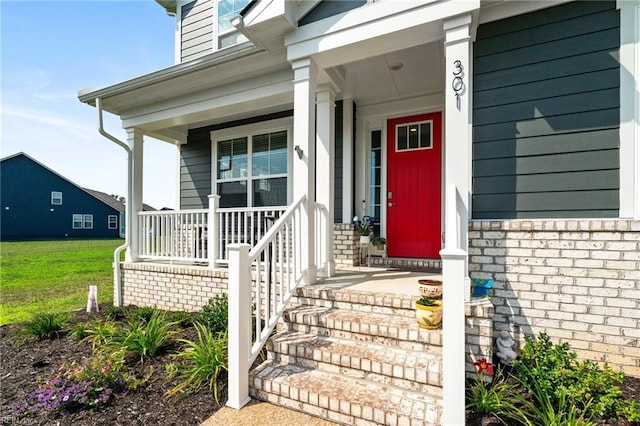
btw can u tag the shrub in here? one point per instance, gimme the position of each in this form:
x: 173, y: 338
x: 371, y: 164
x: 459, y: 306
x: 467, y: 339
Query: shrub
x: 78, y: 331
x: 113, y: 313
x: 215, y: 314
x: 579, y: 389
x: 100, y: 332
x: 143, y: 314
x: 46, y: 325
x: 203, y: 361
x: 145, y: 338
x: 181, y: 318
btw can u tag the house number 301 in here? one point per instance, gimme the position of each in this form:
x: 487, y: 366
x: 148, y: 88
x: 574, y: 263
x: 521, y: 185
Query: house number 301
x: 457, y: 84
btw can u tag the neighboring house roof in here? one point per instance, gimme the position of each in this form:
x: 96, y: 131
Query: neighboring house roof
x: 102, y: 196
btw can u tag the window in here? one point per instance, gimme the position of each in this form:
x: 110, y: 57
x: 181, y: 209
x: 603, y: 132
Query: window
x: 413, y: 136
x: 252, y: 170
x: 82, y: 221
x: 56, y: 198
x: 112, y: 221
x: 227, y: 11
x: 375, y: 168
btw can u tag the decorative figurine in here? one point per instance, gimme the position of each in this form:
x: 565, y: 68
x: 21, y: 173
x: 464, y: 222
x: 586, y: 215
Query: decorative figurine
x: 506, y: 354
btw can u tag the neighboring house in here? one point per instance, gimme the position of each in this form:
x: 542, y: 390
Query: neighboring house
x: 522, y: 114
x: 38, y: 203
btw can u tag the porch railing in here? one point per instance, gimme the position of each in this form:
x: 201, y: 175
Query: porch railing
x: 186, y: 235
x: 261, y: 282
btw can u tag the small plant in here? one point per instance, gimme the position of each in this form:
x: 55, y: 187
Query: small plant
x: 378, y: 240
x: 203, y: 361
x: 181, y: 318
x: 364, y: 226
x: 143, y: 314
x: 113, y: 313
x: 78, y: 331
x: 425, y: 301
x: 493, y: 397
x: 100, y: 332
x: 215, y: 314
x: 46, y: 325
x: 145, y: 338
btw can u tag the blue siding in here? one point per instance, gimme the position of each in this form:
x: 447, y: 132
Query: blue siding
x: 27, y: 212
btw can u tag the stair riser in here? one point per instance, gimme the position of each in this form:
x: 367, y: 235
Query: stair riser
x: 429, y: 342
x: 415, y: 380
x: 340, y: 411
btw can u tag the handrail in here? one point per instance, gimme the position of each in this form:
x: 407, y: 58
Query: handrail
x: 261, y: 283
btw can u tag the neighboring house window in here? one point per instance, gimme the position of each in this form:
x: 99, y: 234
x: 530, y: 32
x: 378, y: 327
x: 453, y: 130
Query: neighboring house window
x: 375, y: 170
x: 414, y: 136
x: 227, y: 11
x: 82, y: 221
x: 112, y: 221
x: 252, y: 170
x: 56, y: 198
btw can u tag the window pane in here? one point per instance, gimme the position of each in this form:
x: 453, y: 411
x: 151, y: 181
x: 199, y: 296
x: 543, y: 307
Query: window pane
x: 278, y: 155
x: 270, y: 192
x: 224, y: 160
x: 233, y: 194
x: 425, y: 135
x: 112, y: 222
x: 413, y: 136
x: 77, y: 221
x: 402, y: 138
x: 56, y: 197
x: 239, y: 158
x: 225, y: 7
x: 376, y: 139
x: 260, y: 155
x: 88, y: 221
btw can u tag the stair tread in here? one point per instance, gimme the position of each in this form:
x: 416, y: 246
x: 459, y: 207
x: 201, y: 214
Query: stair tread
x: 315, y: 386
x: 371, y: 351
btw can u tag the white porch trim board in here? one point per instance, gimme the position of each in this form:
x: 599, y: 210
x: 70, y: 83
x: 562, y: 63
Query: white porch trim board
x: 347, y: 159
x: 134, y: 202
x: 325, y: 172
x: 304, y: 115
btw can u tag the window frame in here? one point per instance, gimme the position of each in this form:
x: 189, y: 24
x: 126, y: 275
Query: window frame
x: 249, y: 131
x: 219, y: 34
x: 54, y: 197
x: 82, y: 219
x: 112, y: 221
x: 419, y: 148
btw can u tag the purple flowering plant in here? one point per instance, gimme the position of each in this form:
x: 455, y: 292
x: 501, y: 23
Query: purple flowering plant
x: 77, y: 387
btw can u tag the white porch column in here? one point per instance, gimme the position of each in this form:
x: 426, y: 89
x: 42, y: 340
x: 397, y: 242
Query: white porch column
x: 347, y: 160
x: 457, y: 146
x: 304, y: 173
x: 325, y: 172
x: 134, y: 194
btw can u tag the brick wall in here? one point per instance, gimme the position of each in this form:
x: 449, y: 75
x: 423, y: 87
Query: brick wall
x: 345, y: 244
x: 576, y: 280
x: 175, y: 288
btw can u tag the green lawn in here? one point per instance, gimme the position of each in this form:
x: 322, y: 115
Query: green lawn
x: 53, y: 276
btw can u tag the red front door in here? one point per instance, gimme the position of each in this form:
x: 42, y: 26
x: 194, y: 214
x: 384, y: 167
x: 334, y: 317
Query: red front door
x: 414, y: 170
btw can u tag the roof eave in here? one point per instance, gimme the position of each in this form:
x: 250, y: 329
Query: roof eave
x: 89, y: 96
x: 169, y: 5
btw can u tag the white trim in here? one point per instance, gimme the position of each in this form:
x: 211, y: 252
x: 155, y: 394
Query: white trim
x: 109, y: 221
x: 58, y: 197
x: 248, y: 131
x: 629, y: 108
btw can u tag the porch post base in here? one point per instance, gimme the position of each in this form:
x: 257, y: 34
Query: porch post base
x: 310, y: 276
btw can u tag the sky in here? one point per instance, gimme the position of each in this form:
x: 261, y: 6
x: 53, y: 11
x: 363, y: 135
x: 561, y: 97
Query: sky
x: 52, y: 49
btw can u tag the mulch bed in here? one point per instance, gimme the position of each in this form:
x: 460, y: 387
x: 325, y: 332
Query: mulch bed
x: 24, y: 364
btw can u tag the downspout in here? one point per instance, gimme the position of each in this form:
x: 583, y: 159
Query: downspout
x: 117, y: 280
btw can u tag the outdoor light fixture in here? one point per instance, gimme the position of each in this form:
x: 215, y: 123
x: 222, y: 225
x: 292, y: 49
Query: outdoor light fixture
x: 299, y: 151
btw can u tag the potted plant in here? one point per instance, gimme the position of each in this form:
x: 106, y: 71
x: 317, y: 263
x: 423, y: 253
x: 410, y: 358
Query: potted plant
x: 379, y: 242
x: 428, y: 313
x: 431, y: 289
x: 365, y: 228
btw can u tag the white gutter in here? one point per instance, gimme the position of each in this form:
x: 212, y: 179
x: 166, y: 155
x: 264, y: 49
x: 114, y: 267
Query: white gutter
x: 117, y: 281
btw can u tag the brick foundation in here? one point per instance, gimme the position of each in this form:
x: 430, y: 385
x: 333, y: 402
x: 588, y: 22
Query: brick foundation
x: 576, y: 280
x: 345, y: 244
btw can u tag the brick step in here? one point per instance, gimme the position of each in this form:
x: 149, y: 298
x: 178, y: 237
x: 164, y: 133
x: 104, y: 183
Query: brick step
x: 383, y: 329
x: 356, y: 300
x: 341, y: 399
x: 413, y: 370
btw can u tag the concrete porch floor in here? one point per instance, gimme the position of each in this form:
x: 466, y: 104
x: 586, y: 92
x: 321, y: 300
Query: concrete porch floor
x: 376, y: 279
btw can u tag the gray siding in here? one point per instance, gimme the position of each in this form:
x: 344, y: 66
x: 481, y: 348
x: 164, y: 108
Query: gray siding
x: 195, y: 170
x: 328, y: 8
x: 546, y: 114
x: 338, y: 169
x: 196, y: 29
